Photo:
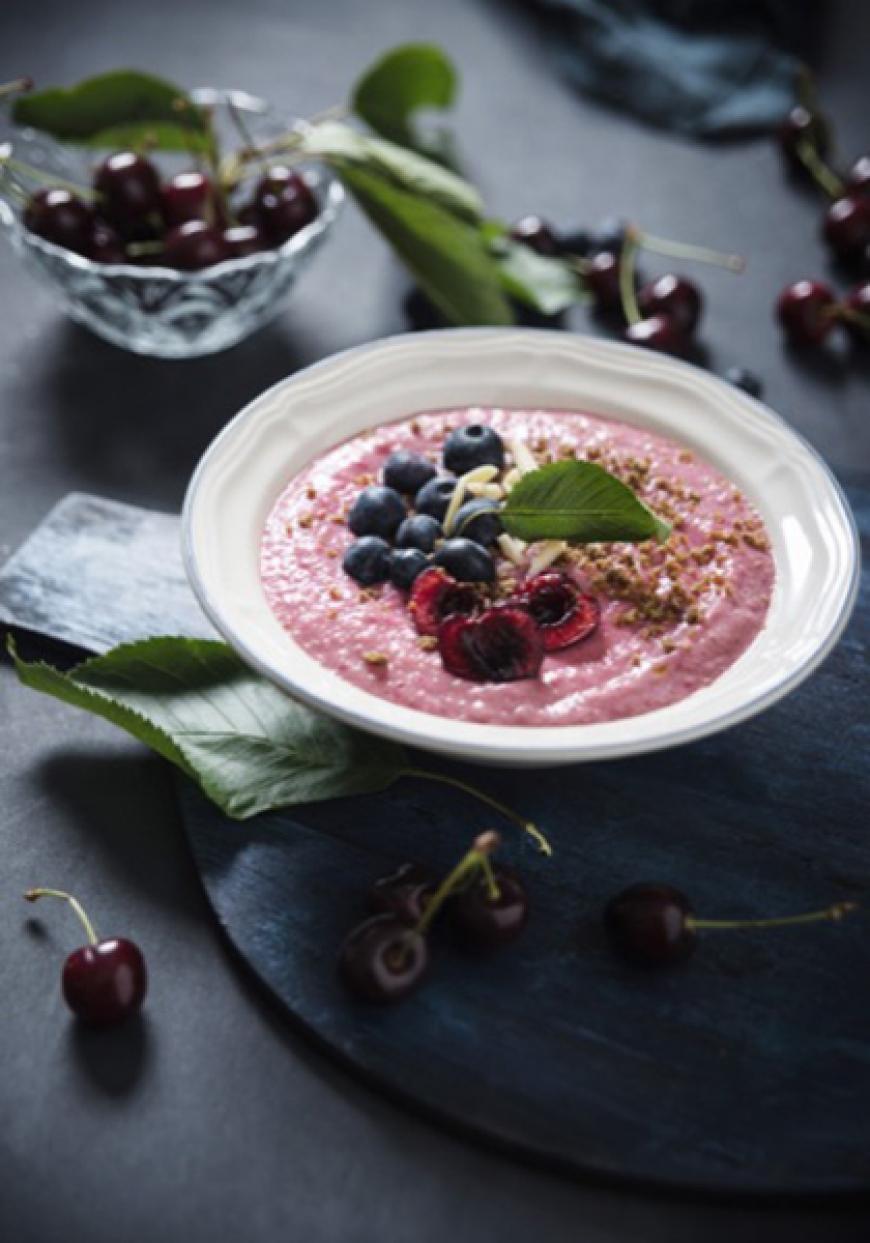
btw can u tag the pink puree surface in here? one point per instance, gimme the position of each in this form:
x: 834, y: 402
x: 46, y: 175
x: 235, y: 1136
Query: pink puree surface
x: 620, y: 671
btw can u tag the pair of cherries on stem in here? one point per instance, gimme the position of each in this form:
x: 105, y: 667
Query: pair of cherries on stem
x: 808, y: 311
x: 654, y: 925
x: 385, y: 958
x: 105, y: 981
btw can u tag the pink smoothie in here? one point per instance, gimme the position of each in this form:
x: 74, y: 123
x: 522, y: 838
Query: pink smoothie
x: 673, y: 616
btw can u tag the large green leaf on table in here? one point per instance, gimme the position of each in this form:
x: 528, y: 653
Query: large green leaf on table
x: 397, y: 86
x: 446, y: 256
x: 579, y: 502
x: 345, y: 147
x: 116, y: 110
x: 549, y: 285
x: 249, y: 746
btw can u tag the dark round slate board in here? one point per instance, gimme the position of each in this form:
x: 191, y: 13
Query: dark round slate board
x: 746, y: 1070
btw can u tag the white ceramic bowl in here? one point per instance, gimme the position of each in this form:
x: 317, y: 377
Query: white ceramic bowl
x: 813, y: 534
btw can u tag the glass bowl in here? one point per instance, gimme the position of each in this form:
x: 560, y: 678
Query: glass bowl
x: 160, y: 311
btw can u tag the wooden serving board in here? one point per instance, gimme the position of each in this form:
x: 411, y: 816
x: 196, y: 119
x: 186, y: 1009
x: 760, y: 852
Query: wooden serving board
x: 747, y: 1069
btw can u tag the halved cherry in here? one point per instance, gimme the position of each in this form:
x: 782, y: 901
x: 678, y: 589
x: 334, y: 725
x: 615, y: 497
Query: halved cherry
x: 564, y: 613
x: 503, y: 644
x: 437, y: 595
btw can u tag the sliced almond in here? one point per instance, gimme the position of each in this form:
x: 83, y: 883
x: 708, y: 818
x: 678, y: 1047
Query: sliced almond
x: 546, y: 553
x: 512, y: 548
x: 480, y: 474
x: 524, y: 459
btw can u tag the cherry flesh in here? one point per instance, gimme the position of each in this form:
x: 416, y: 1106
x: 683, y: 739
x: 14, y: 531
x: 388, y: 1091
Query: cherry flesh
x: 804, y: 311
x: 657, y: 332
x: 131, y: 199
x: 676, y: 297
x: 648, y: 925
x: 485, y: 922
x: 193, y: 246
x: 58, y: 216
x: 383, y: 959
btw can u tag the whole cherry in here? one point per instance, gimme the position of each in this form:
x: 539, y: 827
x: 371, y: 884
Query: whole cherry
x: 243, y: 239
x: 847, y: 226
x: 855, y: 313
x: 806, y: 312
x: 194, y: 245
x: 537, y: 234
x: 676, y: 297
x: 383, y: 959
x: 285, y: 203
x: 601, y: 274
x: 106, y: 980
x: 492, y: 911
x: 105, y: 246
x: 803, y: 128
x: 60, y: 217
x: 130, y: 197
x: 188, y: 196
x: 405, y: 893
x: 657, y: 332
x: 654, y: 925
x: 858, y: 178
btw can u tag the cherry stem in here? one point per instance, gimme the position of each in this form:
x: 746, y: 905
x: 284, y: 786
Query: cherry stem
x: 822, y: 174
x: 39, y: 174
x: 526, y: 825
x: 627, y: 295
x: 686, y: 250
x: 16, y: 87
x: 33, y: 895
x: 834, y: 913
x: 475, y: 859
x: 138, y: 250
x: 851, y: 316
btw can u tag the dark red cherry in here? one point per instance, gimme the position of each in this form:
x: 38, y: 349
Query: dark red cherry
x: 106, y: 982
x: 802, y: 126
x: 193, y: 246
x: 130, y: 200
x: 244, y: 239
x: 285, y: 203
x: 658, y: 332
x: 485, y: 922
x: 383, y: 959
x: 536, y: 234
x: 602, y: 277
x: 847, y: 226
x: 804, y: 310
x: 403, y: 893
x: 648, y: 925
x: 858, y: 179
x: 858, y: 323
x: 105, y: 246
x: 188, y: 196
x: 58, y: 216
x: 564, y: 614
x: 676, y: 297
x: 503, y: 644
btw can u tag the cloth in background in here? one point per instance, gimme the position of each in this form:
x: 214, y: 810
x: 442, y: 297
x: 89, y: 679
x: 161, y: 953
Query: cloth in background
x: 706, y: 68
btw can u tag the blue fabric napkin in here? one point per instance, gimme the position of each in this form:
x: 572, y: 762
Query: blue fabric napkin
x: 705, y: 68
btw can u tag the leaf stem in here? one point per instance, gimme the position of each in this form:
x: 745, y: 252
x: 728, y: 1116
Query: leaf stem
x: 834, y: 913
x: 526, y: 825
x: 627, y: 295
x: 32, y: 895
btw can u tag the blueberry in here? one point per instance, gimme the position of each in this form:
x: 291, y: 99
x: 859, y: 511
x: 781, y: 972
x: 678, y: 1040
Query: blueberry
x: 609, y: 235
x: 421, y: 531
x: 434, y: 497
x: 405, y: 565
x: 741, y: 377
x: 376, y: 511
x: 368, y: 560
x: 466, y: 561
x: 479, y: 520
x: 472, y: 446
x: 407, y: 472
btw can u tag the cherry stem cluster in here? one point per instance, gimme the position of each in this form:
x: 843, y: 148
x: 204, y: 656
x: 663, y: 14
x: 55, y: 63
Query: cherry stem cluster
x: 475, y: 860
x: 33, y: 895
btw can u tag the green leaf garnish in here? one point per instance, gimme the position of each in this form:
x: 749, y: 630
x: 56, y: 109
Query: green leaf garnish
x: 399, y: 84
x: 549, y: 285
x: 579, y: 502
x: 248, y: 746
x: 116, y: 110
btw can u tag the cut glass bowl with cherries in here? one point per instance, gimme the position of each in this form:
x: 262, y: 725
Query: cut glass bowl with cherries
x: 148, y: 254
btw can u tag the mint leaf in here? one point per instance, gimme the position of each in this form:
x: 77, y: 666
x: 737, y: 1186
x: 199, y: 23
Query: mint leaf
x: 248, y: 745
x: 345, y: 147
x: 445, y: 255
x: 398, y: 85
x: 579, y: 502
x: 115, y: 110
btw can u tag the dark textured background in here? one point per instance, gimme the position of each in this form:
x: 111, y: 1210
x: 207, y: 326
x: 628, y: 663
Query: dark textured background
x: 211, y: 1120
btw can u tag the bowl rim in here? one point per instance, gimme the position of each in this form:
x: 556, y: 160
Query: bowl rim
x: 429, y: 732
